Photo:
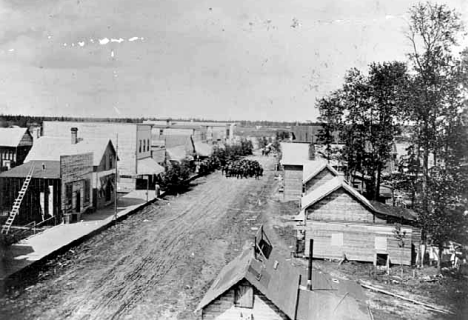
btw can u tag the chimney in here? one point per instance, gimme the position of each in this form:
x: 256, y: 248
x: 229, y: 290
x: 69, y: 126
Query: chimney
x: 311, y: 254
x: 311, y: 151
x: 74, y: 135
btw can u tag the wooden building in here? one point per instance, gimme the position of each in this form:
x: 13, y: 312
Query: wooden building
x: 132, y: 141
x: 316, y: 173
x: 104, y: 161
x: 56, y: 188
x: 265, y: 286
x: 294, y: 157
x: 344, y: 223
x: 15, y: 144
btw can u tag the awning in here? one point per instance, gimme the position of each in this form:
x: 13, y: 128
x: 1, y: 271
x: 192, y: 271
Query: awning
x: 148, y: 166
x: 203, y: 149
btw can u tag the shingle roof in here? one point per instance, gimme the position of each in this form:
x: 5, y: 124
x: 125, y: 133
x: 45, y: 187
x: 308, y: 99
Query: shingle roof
x: 42, y: 170
x: 51, y: 148
x: 280, y: 285
x: 11, y: 137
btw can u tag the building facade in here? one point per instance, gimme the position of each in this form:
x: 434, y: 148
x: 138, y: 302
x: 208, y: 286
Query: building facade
x: 131, y: 140
x: 15, y: 144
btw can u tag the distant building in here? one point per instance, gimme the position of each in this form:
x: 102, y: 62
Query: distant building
x: 133, y: 144
x: 310, y: 133
x: 294, y: 157
x: 15, y: 144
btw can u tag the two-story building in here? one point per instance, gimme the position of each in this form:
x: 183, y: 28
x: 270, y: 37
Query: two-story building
x: 131, y: 140
x: 103, y: 179
x: 15, y: 144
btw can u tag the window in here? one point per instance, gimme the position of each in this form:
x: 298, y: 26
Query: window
x: 140, y: 147
x: 68, y: 196
x: 381, y: 244
x: 111, y: 161
x: 161, y: 132
x: 144, y: 145
x: 337, y: 239
x: 148, y: 143
x: 243, y: 296
x: 87, y: 193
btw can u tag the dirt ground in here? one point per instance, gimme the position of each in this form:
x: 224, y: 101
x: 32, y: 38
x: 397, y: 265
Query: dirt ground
x: 155, y: 265
x: 158, y: 263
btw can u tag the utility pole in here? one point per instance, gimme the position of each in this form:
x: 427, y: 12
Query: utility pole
x: 116, y: 175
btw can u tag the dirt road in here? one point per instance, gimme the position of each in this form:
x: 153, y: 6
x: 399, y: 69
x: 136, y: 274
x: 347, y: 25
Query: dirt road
x: 158, y: 263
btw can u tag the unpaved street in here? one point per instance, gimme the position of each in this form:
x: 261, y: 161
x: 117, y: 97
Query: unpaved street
x: 158, y: 263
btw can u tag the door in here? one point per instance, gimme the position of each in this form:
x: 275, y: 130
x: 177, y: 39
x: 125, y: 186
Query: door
x: 78, y: 201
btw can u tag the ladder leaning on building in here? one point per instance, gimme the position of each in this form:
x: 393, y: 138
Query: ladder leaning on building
x: 17, y: 203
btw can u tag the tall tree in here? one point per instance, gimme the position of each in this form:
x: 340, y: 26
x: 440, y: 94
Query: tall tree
x: 366, y: 112
x: 432, y: 32
x: 437, y: 108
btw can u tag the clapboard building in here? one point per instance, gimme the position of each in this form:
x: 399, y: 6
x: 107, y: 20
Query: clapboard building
x: 57, y: 187
x: 343, y: 223
x: 15, y: 144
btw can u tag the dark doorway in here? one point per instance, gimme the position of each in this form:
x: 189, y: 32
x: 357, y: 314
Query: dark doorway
x: 78, y: 201
x: 108, y: 191
x: 382, y: 259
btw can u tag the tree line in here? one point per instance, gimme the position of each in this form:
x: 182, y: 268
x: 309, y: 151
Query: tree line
x: 426, y: 96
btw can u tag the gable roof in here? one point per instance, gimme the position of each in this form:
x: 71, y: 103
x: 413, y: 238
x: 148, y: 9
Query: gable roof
x: 329, y: 187
x: 11, y: 137
x: 51, y: 148
x: 336, y: 183
x: 50, y: 170
x: 278, y: 280
x: 313, y: 168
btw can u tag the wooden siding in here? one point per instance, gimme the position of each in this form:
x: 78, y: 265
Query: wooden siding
x: 75, y: 170
x: 31, y: 209
x: 321, y: 178
x: 223, y: 308
x: 359, y: 242
x: 292, y: 182
x: 341, y: 206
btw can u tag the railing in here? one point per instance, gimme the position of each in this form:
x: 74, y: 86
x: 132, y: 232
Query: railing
x: 44, y: 221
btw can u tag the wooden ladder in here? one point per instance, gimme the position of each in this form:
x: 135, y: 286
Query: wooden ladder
x: 17, y: 203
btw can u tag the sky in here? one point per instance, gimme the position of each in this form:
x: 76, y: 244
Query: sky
x: 211, y: 59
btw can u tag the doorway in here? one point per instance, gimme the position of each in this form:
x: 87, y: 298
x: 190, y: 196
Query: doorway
x: 78, y: 201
